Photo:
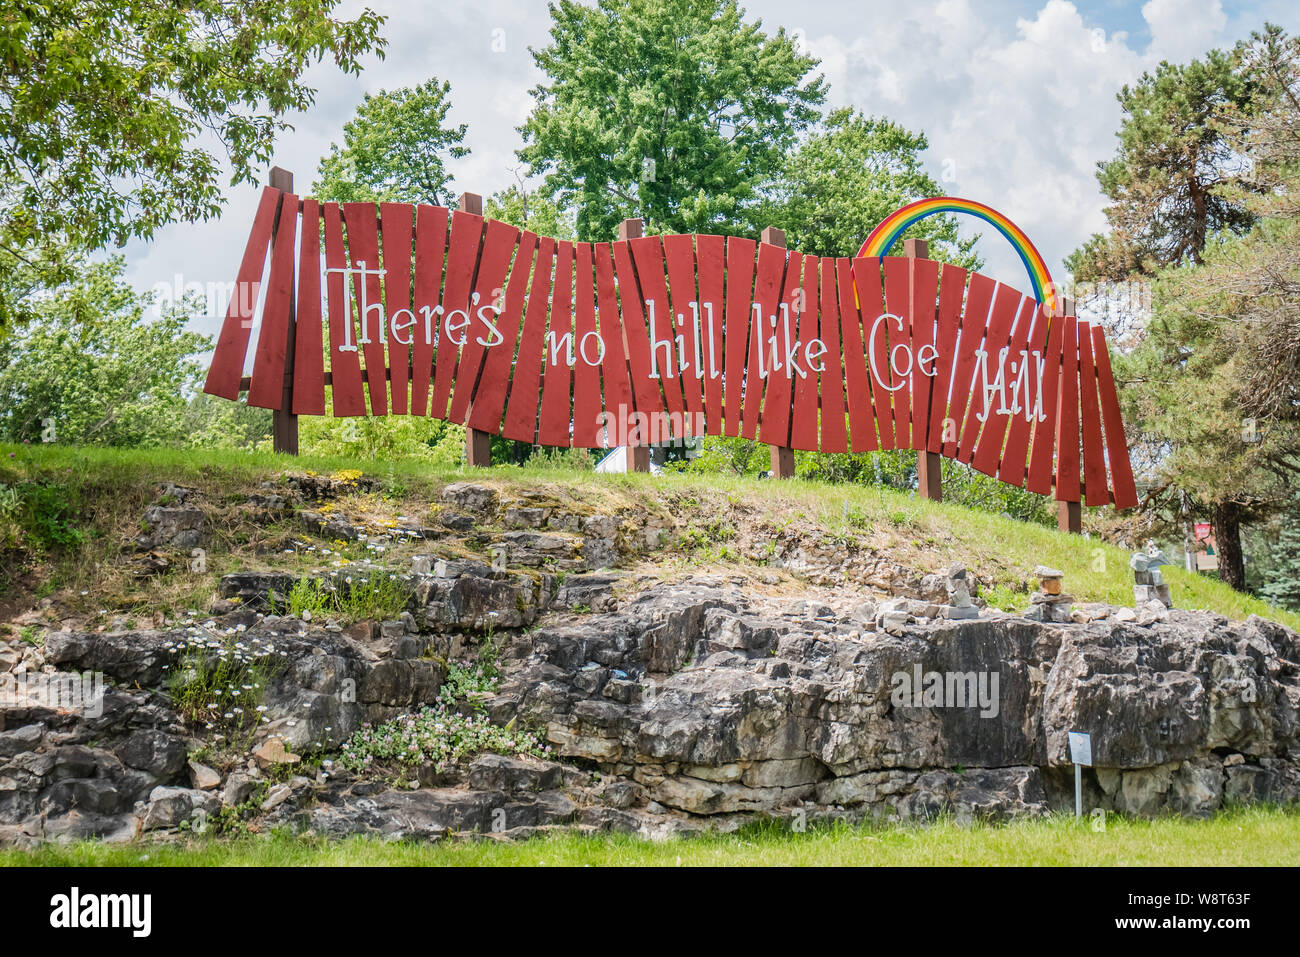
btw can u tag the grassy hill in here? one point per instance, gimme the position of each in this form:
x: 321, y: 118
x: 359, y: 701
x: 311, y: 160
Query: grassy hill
x: 65, y: 514
x: 1244, y: 837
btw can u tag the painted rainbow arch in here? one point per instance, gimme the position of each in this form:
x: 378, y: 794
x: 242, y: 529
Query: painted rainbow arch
x: 884, y: 236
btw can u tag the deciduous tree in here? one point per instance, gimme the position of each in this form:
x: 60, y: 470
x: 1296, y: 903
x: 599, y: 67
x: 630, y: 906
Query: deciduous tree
x: 107, y: 110
x: 852, y: 172
x: 395, y: 149
x: 679, y: 112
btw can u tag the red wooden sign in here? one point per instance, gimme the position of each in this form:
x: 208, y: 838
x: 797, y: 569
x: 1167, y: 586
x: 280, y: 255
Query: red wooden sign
x: 400, y: 309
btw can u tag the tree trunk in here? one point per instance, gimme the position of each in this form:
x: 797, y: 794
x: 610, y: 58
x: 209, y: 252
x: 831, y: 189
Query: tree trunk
x: 1225, y: 518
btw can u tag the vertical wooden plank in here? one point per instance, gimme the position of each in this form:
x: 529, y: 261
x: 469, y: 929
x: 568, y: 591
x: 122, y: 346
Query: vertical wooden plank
x: 1068, y: 486
x: 267, y: 387
x: 617, y: 392
x: 857, y: 380
x: 309, y: 357
x: 952, y: 288
x: 922, y: 305
x: 521, y: 413
x: 866, y: 278
x: 898, y: 289
x: 764, y: 321
x: 557, y: 373
x: 778, y: 398
x: 834, y: 437
x: 973, y: 325
x: 804, y: 432
x: 478, y: 445
x: 1027, y: 362
x: 1094, y: 448
x: 1121, y: 469
x: 645, y: 390
x: 588, y: 353
x: 633, y: 330
x: 494, y: 380
x: 1006, y: 304
x: 739, y: 322
x: 679, y: 257
x: 483, y: 333
x: 395, y: 226
x: 648, y: 255
x: 430, y: 252
x: 363, y: 252
x: 345, y: 363
x: 710, y: 252
x: 1044, y: 443
x: 227, y: 368
x: 462, y: 259
x: 992, y: 440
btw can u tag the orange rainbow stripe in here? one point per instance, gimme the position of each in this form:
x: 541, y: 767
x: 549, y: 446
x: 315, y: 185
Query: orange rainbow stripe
x: 886, y: 234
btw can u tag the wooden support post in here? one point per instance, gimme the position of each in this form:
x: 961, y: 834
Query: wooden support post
x: 478, y: 445
x: 929, y: 469
x: 638, y: 456
x: 1069, y: 517
x: 284, y: 424
x: 782, y: 457
x: 478, y: 448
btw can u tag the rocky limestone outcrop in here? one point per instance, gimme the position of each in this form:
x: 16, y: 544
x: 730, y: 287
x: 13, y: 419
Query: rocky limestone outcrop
x: 671, y: 704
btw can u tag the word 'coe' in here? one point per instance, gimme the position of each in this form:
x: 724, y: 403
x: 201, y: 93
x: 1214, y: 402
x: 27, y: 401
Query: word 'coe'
x: 1020, y: 382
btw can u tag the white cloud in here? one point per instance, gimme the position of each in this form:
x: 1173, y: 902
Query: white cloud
x: 1022, y: 110
x: 1183, y: 29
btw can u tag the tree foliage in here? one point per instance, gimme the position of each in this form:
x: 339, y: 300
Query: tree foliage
x: 383, y: 437
x: 675, y: 111
x: 105, y: 106
x: 1276, y: 573
x: 1219, y: 367
x: 1167, y: 183
x: 92, y: 369
x: 852, y: 172
x: 529, y: 209
x: 395, y: 149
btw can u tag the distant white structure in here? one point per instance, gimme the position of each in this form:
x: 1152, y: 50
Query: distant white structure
x: 620, y: 460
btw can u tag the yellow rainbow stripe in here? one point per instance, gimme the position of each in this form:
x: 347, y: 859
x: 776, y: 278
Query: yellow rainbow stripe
x: 884, y: 236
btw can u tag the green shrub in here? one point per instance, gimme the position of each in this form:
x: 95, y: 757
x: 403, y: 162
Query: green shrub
x: 443, y: 735
x: 435, y: 736
x: 374, y: 596
x: 471, y: 680
x: 369, y: 595
x: 220, y: 680
x: 308, y: 597
x: 46, y: 511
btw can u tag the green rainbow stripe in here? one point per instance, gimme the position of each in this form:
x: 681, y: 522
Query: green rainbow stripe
x: 884, y: 236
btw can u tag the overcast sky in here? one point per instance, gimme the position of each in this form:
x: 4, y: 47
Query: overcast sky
x: 1017, y: 98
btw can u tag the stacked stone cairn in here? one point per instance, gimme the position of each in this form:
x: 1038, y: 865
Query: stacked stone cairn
x: 959, y: 604
x: 1148, y: 584
x: 1050, y: 603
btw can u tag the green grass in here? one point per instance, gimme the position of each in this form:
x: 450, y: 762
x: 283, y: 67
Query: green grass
x: 1257, y: 836
x: 927, y: 536
x: 375, y: 595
